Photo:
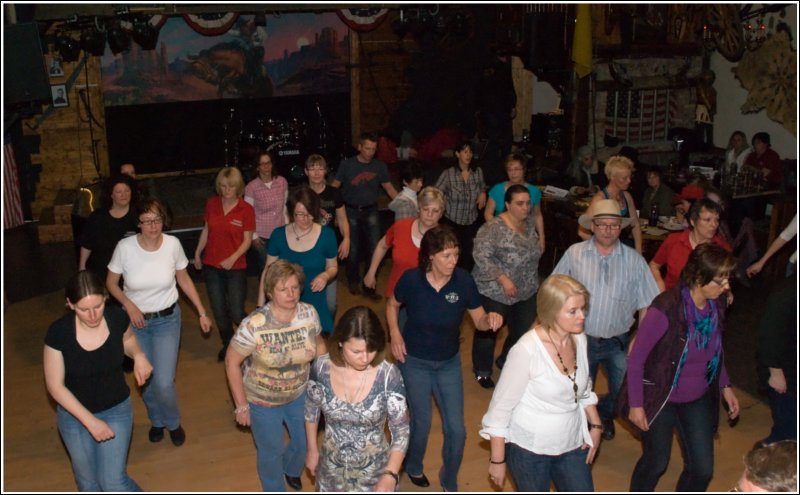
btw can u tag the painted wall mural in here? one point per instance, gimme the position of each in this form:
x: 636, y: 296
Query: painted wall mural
x: 293, y: 54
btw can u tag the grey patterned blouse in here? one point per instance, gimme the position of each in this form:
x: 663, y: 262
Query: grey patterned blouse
x: 355, y: 451
x: 499, y: 249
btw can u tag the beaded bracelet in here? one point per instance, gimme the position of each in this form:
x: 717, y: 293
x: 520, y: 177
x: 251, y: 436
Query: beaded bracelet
x: 596, y: 427
x: 242, y: 409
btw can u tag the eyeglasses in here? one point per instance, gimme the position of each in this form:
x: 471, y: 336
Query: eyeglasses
x: 300, y: 214
x: 154, y: 221
x: 722, y: 281
x: 605, y: 226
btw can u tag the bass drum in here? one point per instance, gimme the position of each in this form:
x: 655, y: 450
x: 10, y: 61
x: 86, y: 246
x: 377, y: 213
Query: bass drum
x: 289, y: 160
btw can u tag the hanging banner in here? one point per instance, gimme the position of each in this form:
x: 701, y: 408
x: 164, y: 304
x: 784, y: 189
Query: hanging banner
x: 362, y: 20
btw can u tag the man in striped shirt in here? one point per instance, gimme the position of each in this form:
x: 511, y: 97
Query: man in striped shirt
x: 619, y: 283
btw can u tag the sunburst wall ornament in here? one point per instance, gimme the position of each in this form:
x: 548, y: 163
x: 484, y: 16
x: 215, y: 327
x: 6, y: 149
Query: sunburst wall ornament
x: 769, y: 74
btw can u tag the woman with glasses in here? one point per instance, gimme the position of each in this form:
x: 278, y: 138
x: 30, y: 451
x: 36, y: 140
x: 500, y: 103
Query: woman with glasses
x: 674, y: 251
x: 676, y: 373
x: 312, y: 246
x: 152, y: 264
x: 228, y: 231
x: 542, y: 422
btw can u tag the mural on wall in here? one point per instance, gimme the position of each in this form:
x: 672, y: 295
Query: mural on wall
x: 769, y: 75
x: 293, y: 54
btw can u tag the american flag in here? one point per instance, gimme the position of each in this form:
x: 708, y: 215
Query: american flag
x: 12, y: 199
x: 641, y: 116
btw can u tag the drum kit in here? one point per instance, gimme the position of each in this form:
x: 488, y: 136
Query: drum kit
x: 285, y: 139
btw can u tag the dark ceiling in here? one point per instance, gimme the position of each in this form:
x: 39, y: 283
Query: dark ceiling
x: 57, y: 12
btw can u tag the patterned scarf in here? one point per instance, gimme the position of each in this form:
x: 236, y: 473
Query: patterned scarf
x: 701, y: 328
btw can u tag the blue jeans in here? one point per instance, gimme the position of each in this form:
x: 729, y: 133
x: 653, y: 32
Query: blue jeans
x: 695, y: 430
x: 442, y: 379
x: 227, y: 290
x: 784, y: 416
x: 274, y: 460
x: 533, y: 472
x: 261, y: 254
x: 612, y: 354
x: 364, y: 228
x: 519, y: 318
x: 100, y: 466
x: 160, y: 339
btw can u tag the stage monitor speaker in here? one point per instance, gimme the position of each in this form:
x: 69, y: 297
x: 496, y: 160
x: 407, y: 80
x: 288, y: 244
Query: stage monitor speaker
x: 24, y: 76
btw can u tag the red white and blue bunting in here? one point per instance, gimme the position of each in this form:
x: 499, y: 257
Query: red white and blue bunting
x: 362, y: 20
x: 211, y: 24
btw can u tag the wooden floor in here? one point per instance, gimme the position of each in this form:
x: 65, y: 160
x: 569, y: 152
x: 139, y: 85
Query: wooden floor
x: 217, y: 456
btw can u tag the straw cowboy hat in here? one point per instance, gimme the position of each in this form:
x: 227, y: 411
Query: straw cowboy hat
x: 605, y: 208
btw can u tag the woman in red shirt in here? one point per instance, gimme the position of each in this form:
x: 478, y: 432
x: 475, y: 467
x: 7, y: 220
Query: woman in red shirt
x: 228, y: 231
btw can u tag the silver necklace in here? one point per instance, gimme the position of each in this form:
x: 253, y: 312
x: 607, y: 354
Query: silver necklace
x: 298, y: 236
x: 360, y: 387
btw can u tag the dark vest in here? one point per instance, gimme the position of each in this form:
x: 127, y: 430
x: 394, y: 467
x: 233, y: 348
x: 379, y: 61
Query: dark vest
x: 662, y: 362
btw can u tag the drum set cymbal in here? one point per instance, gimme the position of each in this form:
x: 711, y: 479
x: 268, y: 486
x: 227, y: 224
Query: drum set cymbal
x: 285, y: 139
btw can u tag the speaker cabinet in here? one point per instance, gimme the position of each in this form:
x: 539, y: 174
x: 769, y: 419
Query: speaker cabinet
x: 24, y: 77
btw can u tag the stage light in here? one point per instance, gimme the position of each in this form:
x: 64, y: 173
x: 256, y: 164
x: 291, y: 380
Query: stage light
x: 145, y: 34
x: 118, y: 39
x: 68, y: 47
x: 93, y: 41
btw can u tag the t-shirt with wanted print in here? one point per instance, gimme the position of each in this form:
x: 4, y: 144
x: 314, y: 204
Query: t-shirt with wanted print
x: 280, y: 354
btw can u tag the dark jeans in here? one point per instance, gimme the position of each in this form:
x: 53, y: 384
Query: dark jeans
x: 695, y: 431
x: 784, y: 416
x: 226, y: 292
x: 533, y: 472
x: 442, y: 380
x: 364, y: 232
x: 466, y: 237
x: 612, y: 354
x: 519, y: 318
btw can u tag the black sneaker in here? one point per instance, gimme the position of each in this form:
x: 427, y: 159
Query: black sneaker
x: 485, y: 381
x: 608, y: 429
x: 156, y: 434
x: 178, y: 436
x: 371, y: 295
x: 221, y: 354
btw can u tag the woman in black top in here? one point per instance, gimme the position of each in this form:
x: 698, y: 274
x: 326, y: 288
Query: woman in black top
x: 83, y: 355
x: 108, y: 224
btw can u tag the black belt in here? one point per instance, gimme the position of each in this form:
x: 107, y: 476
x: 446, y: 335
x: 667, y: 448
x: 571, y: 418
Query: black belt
x: 361, y: 208
x: 158, y: 314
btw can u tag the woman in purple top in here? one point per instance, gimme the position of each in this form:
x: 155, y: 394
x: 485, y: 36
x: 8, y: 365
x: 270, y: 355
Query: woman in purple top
x: 676, y: 373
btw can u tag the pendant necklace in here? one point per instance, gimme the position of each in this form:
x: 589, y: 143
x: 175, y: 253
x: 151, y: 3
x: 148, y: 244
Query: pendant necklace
x: 360, y: 387
x: 572, y: 378
x: 298, y: 236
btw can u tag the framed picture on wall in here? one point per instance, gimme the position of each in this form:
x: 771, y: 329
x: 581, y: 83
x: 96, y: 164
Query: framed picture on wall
x: 60, y: 98
x: 54, y: 68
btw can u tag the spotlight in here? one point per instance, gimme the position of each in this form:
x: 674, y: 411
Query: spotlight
x: 118, y: 39
x: 145, y: 34
x: 93, y: 41
x: 68, y: 47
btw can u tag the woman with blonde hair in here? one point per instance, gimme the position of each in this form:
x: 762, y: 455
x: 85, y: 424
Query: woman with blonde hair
x: 619, y: 170
x: 542, y: 421
x: 227, y: 234
x: 268, y: 365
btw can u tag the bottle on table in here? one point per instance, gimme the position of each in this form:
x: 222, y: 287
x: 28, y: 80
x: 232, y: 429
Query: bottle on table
x: 653, y: 215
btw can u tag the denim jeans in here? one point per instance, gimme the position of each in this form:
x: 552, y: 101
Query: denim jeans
x: 330, y: 296
x: 784, y: 416
x: 227, y: 290
x: 533, y: 472
x: 160, y: 339
x: 100, y: 466
x: 613, y: 355
x: 273, y: 458
x: 519, y: 318
x: 261, y: 254
x: 364, y: 228
x: 695, y: 430
x: 442, y: 379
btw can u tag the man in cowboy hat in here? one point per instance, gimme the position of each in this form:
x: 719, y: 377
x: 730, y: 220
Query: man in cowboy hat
x: 620, y: 283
